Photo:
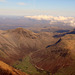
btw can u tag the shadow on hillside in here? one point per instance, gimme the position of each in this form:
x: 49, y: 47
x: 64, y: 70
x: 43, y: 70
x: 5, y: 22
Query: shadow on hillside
x: 54, y: 44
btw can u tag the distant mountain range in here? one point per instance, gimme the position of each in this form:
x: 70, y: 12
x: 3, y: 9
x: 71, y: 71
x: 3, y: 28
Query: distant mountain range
x: 12, y: 22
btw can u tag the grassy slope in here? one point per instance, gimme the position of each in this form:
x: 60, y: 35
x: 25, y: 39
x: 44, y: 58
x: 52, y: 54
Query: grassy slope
x: 27, y: 67
x: 5, y: 69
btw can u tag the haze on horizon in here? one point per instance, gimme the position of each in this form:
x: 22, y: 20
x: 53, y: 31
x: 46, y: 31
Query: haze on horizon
x: 37, y: 7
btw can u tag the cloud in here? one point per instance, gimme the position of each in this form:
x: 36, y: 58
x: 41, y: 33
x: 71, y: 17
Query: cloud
x: 45, y: 17
x: 21, y: 3
x: 55, y: 20
x: 2, y: 0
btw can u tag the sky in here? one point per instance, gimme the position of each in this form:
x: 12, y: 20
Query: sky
x: 37, y: 7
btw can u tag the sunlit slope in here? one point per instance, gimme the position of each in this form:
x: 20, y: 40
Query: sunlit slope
x: 8, y: 70
x: 59, y: 58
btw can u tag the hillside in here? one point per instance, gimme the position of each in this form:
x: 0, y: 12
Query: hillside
x: 18, y: 43
x: 8, y: 70
x: 38, y: 53
x: 59, y: 58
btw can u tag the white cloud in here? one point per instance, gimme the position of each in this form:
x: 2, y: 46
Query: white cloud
x: 21, y: 3
x: 2, y: 0
x: 45, y: 17
x: 55, y: 20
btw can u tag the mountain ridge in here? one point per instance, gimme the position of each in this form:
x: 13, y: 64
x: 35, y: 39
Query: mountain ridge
x: 20, y: 42
x: 57, y: 56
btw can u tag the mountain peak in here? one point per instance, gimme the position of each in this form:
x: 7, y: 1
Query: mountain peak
x: 20, y: 30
